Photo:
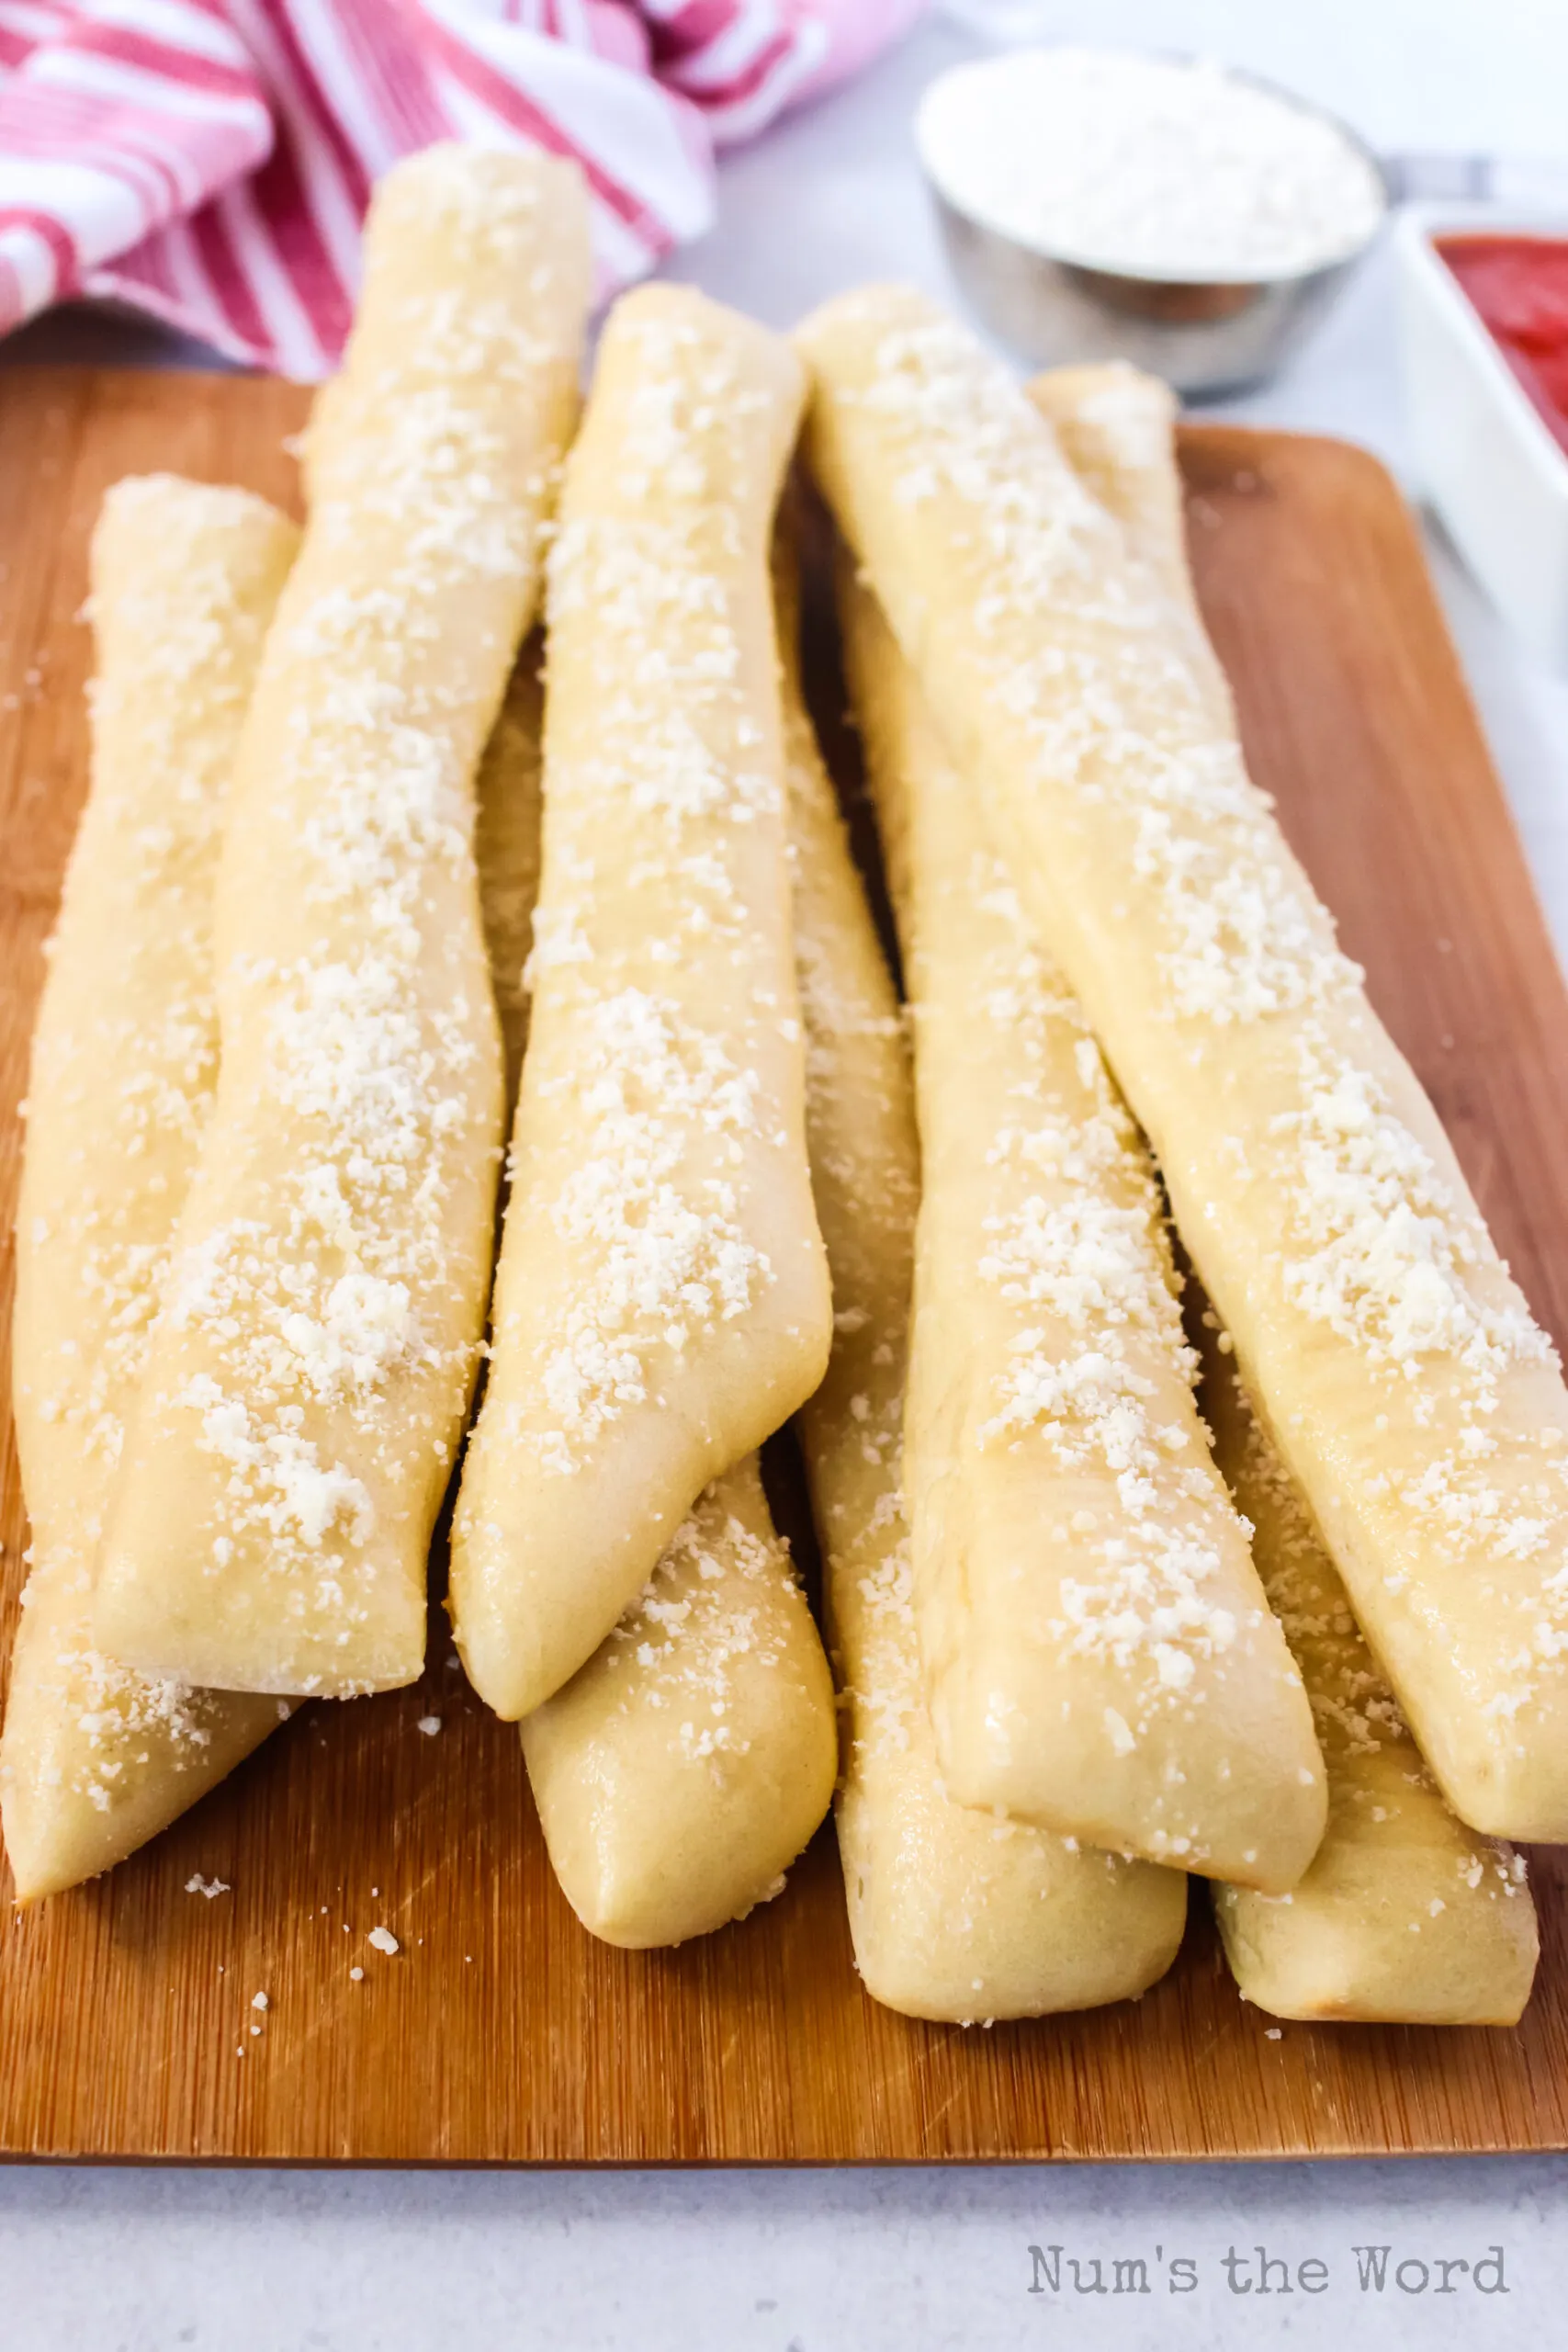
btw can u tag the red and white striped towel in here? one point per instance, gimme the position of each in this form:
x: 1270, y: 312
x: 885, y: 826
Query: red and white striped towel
x: 209, y: 161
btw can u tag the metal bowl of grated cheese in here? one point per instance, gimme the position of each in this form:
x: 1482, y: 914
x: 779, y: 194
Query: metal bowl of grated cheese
x: 1104, y: 204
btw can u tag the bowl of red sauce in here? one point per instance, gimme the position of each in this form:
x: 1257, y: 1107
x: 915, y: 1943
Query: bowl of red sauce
x: 1484, y: 330
x: 1518, y: 287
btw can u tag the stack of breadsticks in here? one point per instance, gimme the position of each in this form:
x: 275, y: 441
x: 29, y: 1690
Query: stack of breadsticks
x: 355, y: 874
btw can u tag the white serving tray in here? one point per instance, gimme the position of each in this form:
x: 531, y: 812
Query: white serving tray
x: 1487, y: 460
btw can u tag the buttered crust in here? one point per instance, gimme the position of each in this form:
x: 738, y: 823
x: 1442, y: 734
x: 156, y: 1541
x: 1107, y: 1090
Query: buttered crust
x: 309, y: 1381
x: 1395, y: 1364
x: 661, y: 1303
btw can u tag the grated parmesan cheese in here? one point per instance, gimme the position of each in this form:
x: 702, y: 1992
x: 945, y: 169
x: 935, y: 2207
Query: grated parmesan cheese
x: 1153, y: 167
x: 320, y: 1342
x: 953, y: 1913
x: 123, y: 1082
x: 1412, y: 1392
x: 660, y: 1273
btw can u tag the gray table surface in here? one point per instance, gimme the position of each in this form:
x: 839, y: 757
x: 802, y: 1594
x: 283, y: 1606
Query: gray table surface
x: 133, y: 2260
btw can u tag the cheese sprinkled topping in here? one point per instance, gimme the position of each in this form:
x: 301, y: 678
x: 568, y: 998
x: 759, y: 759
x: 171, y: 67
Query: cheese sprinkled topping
x: 322, y: 1313
x: 653, y: 1201
x: 1065, y: 671
x: 1355, y: 1711
x: 1079, y: 1251
x: 704, y: 1609
x: 1109, y: 708
x: 185, y: 578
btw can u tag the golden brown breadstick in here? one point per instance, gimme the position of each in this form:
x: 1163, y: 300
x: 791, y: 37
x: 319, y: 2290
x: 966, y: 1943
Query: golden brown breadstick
x: 1099, y: 1654
x: 309, y: 1381
x: 1398, y: 1367
x: 96, y: 1757
x: 661, y: 1302
x: 680, y: 1771
x: 953, y: 1913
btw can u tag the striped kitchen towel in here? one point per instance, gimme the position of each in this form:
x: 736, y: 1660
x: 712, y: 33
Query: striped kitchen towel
x: 209, y: 161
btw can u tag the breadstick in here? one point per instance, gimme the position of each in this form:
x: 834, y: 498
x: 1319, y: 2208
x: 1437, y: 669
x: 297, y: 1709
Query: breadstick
x: 308, y: 1382
x: 680, y: 1771
x: 1395, y: 1364
x: 953, y: 1913
x: 685, y: 1766
x: 96, y: 1759
x: 1115, y: 425
x: 662, y: 1301
x: 1099, y: 1657
x: 1405, y: 1916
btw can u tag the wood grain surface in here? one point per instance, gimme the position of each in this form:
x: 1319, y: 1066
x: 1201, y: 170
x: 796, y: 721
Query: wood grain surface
x: 499, y: 2032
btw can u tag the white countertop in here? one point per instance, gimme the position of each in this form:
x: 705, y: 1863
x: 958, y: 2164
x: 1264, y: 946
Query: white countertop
x: 130, y: 2260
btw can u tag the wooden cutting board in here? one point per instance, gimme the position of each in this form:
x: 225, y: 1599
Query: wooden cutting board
x: 499, y: 2032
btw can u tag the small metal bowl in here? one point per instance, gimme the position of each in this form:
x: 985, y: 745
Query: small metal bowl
x: 1204, y: 337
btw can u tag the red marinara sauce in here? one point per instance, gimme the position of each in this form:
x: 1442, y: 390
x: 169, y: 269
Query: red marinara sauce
x: 1518, y: 288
